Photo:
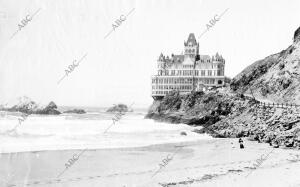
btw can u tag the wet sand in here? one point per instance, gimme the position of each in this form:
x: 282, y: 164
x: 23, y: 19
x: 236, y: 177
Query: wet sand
x: 217, y: 162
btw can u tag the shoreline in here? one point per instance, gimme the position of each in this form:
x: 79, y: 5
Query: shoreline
x: 113, y: 148
x: 201, y: 162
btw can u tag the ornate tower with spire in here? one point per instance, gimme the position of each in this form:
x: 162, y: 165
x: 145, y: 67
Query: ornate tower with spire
x: 191, y: 47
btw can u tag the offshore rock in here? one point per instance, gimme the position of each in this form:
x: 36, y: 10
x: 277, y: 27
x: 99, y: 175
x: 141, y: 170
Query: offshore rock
x: 26, y: 105
x: 75, y: 111
x: 119, y: 108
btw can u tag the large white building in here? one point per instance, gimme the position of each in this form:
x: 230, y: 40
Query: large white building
x: 187, y: 72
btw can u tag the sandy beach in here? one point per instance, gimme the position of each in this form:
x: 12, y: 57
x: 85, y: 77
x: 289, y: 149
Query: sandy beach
x: 217, y: 162
x: 101, y: 93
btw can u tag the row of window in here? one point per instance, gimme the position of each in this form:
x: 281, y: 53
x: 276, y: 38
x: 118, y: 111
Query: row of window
x: 181, y: 81
x: 208, y: 81
x: 198, y: 66
x: 172, y: 87
x: 210, y: 60
x: 160, y: 92
x: 190, y: 72
x: 190, y: 50
x: 188, y: 66
x: 172, y: 80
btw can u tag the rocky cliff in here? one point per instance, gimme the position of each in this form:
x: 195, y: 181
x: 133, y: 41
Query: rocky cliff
x: 228, y: 115
x: 276, y: 78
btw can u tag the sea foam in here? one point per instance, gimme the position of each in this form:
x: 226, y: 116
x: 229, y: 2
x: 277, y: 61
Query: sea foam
x: 74, y: 131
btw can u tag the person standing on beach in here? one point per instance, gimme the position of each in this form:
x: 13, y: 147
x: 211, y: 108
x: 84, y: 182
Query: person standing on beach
x: 241, y: 143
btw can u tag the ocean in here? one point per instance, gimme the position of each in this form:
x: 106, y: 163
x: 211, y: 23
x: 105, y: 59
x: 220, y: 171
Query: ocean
x: 81, y: 131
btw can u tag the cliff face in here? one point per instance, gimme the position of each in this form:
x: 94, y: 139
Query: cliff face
x: 232, y: 116
x: 277, y: 77
x: 197, y: 108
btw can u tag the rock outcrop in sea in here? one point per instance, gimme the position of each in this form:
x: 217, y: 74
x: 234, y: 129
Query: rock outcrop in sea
x: 119, y: 108
x: 51, y: 109
x: 26, y: 105
x: 75, y: 111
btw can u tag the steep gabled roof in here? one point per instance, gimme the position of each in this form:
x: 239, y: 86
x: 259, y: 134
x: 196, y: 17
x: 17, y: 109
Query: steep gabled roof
x: 191, y: 39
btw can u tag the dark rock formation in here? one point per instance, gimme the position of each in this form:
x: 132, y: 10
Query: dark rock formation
x: 76, y: 111
x: 119, y: 108
x: 51, y: 109
x: 297, y: 35
x: 183, y: 133
x: 233, y: 116
x: 28, y: 106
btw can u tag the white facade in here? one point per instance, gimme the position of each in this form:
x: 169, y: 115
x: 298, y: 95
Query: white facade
x: 187, y: 72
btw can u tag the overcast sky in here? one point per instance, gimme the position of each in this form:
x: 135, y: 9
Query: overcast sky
x: 118, y: 68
